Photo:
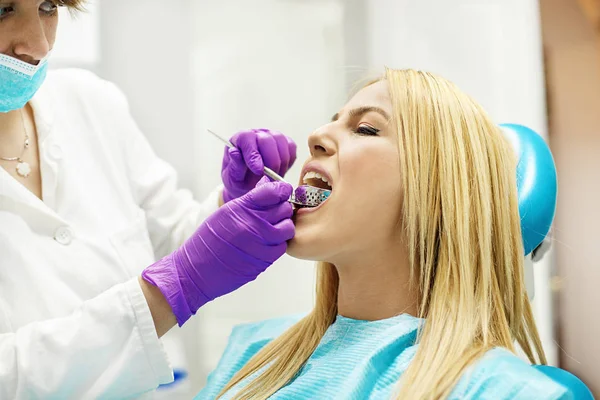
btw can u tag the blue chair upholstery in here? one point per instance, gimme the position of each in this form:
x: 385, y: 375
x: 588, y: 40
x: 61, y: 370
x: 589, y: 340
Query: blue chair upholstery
x: 577, y: 388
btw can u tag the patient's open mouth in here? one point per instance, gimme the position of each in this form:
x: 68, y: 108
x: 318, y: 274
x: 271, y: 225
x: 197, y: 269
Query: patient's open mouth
x: 315, y: 179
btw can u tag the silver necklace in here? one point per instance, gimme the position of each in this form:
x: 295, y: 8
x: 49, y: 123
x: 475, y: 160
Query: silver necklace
x: 23, y: 168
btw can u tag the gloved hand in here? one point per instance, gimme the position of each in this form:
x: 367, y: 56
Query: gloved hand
x: 231, y: 248
x: 243, y: 167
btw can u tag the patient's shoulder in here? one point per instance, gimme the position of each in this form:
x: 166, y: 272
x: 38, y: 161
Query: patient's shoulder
x: 500, y: 374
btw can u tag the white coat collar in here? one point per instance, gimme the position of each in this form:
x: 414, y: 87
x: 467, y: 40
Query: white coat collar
x: 44, y: 111
x: 14, y: 197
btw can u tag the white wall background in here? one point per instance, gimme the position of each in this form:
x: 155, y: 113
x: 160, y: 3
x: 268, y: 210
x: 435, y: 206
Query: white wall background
x: 188, y: 65
x: 78, y: 39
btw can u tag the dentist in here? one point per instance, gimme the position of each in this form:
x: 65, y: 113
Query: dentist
x: 86, y: 209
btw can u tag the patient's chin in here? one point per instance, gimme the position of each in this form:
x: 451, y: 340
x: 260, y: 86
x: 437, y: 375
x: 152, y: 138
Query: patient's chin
x: 313, y: 242
x: 303, y: 249
x: 297, y: 250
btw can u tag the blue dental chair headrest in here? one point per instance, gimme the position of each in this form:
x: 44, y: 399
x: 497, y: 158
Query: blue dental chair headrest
x: 536, y: 183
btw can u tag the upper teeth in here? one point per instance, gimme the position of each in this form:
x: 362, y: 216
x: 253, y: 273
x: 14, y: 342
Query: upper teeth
x: 313, y: 175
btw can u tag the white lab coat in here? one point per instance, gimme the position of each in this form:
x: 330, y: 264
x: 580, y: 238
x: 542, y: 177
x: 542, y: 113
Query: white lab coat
x: 74, y: 323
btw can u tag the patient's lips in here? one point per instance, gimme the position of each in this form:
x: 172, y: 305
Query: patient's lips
x: 315, y: 187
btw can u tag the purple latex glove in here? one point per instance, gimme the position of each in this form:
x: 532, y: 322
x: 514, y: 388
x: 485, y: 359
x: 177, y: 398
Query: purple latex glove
x: 243, y: 167
x: 231, y: 248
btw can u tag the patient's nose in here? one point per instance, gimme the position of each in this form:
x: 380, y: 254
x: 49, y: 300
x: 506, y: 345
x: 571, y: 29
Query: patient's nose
x: 321, y: 142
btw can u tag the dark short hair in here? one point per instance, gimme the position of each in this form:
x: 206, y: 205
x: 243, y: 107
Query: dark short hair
x: 72, y: 4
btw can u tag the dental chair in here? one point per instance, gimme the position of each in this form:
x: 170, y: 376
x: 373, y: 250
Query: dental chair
x: 537, y: 188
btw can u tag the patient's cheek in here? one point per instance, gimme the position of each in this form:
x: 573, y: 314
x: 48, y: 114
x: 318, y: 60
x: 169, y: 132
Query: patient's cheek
x: 364, y: 166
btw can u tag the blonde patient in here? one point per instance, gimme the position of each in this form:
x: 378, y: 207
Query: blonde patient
x: 420, y: 290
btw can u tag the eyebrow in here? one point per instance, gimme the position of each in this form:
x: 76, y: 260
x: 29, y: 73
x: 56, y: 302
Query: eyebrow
x: 356, y: 112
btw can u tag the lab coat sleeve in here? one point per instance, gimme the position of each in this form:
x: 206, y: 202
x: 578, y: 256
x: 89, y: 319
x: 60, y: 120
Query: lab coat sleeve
x: 108, y: 348
x: 172, y: 213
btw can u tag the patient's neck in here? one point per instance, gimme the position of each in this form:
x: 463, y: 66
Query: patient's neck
x: 376, y: 286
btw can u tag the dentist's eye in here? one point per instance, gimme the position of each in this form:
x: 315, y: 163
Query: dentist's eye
x: 366, y: 130
x: 4, y: 11
x: 49, y: 8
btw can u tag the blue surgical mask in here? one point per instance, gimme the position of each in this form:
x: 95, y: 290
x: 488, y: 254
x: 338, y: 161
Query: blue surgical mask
x: 19, y: 81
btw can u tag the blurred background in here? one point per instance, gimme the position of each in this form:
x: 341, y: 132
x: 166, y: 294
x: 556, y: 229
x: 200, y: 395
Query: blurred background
x: 188, y: 65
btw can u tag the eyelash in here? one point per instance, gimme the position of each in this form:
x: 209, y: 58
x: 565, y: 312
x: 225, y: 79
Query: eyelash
x: 4, y: 13
x: 52, y: 12
x: 366, y: 130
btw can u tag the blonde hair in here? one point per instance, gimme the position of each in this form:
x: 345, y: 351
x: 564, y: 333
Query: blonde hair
x: 461, y: 222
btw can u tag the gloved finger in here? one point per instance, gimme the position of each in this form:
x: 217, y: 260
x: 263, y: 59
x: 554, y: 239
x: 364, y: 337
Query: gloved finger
x: 263, y: 181
x: 236, y: 167
x: 278, y: 213
x: 286, y: 229
x: 273, y: 235
x: 269, y: 194
x: 267, y: 146
x: 292, y: 148
x: 226, y: 160
x: 272, y: 253
x: 262, y: 235
x: 284, y: 152
x: 246, y: 142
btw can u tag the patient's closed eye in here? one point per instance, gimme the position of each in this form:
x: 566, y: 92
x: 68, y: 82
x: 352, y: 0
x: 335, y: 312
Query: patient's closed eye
x: 366, y: 130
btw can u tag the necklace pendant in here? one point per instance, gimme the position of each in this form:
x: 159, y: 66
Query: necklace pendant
x: 23, y: 169
x: 27, y: 143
